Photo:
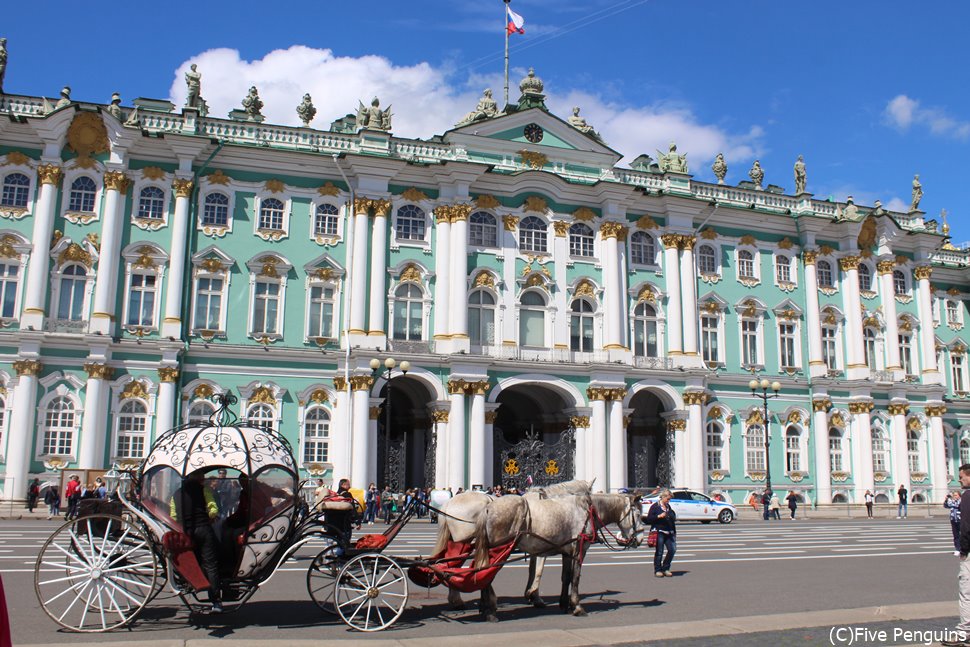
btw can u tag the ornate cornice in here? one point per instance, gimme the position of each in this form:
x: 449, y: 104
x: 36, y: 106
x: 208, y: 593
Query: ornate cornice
x: 168, y: 374
x: 116, y: 181
x: 182, y: 188
x: 98, y: 371
x: 31, y: 367
x: 360, y: 382
x: 50, y: 174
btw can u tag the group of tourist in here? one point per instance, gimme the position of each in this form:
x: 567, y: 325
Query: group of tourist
x: 74, y: 492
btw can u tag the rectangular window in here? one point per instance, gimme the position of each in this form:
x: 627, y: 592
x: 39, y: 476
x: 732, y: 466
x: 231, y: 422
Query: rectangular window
x: 835, y: 453
x: 321, y: 312
x: 532, y: 328
x: 481, y: 326
x: 828, y: 348
x: 208, y: 304
x: 709, y: 339
x: 749, y: 342
x: 793, y: 453
x: 645, y: 338
x: 956, y: 361
x: 754, y: 449
x: 906, y: 354
x: 786, y: 338
x: 8, y: 290
x: 783, y: 270
x: 266, y: 307
x: 141, y: 300
x: 714, y: 447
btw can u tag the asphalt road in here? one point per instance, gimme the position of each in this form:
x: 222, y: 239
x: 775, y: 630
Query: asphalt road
x: 744, y: 569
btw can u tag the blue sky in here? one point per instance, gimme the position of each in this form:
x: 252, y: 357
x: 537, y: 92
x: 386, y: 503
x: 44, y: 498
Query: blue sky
x: 869, y: 92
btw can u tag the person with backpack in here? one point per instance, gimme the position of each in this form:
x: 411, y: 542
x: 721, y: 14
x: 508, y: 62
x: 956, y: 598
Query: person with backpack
x: 370, y: 504
x: 33, y: 493
x: 73, y: 495
x: 53, y: 500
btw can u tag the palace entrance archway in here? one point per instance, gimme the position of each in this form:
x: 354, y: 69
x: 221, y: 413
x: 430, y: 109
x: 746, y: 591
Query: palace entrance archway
x: 405, y: 456
x: 534, y: 441
x: 649, y: 454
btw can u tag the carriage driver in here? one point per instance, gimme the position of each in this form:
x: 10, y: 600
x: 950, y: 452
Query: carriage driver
x: 194, y: 506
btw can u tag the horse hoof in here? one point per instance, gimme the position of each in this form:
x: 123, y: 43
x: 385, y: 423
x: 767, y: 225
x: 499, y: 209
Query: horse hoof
x: 579, y: 612
x: 491, y: 617
x: 538, y: 602
x: 457, y: 607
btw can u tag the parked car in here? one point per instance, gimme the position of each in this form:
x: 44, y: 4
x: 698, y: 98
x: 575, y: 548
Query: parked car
x: 695, y: 506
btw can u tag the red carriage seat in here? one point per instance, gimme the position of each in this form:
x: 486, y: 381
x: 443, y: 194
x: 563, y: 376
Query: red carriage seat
x: 469, y: 580
x: 453, y: 556
x: 183, y: 558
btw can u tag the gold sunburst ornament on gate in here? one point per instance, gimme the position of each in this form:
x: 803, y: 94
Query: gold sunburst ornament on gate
x: 552, y: 468
x: 511, y: 467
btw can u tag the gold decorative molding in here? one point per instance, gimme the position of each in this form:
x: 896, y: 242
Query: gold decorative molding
x: 410, y: 273
x: 837, y: 420
x: 670, y: 240
x: 16, y: 158
x: 596, y: 393
x: 677, y: 424
x: 374, y: 413
x: 457, y: 386
x: 414, y: 195
x: 785, y: 243
x: 584, y: 289
x: 262, y: 395
x: 486, y: 201
x: 491, y: 417
x: 362, y: 206
x: 902, y: 260
x: 885, y: 267
x: 50, y: 174
x: 755, y: 418
x: 441, y: 415
x: 561, y: 227
x: 75, y: 253
x: 134, y: 389
x: 922, y: 272
x: 825, y: 250
x: 579, y: 421
x: 328, y: 189
x: 116, y: 181
x: 612, y: 230
x: 535, y: 204
x: 98, y: 371
x: 339, y: 383
x: 585, y: 214
x: 849, y: 263
x: 203, y: 392
x: 856, y: 408
x: 646, y: 222
x: 898, y: 409
x: 459, y: 212
x: 535, y: 160
x: 218, y: 177
x: 182, y: 188
x: 748, y: 239
x: 935, y: 411
x: 361, y: 382
x: 477, y: 388
x: 87, y: 135
x: 319, y: 396
x: 274, y: 185
x: 30, y: 367
x: 646, y: 296
x: 268, y: 267
x: 695, y: 398
x: 484, y: 279
x: 794, y: 418
x: 7, y: 249
x: 715, y: 413
x: 822, y: 404
x: 809, y: 256
x: 381, y: 207
x: 152, y: 173
x: 686, y: 241
x: 708, y: 234
x: 510, y: 222
x: 168, y: 374
x: 442, y: 213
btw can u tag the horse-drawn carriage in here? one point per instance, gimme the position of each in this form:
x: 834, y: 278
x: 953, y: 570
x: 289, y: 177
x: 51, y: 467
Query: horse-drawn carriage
x: 98, y: 572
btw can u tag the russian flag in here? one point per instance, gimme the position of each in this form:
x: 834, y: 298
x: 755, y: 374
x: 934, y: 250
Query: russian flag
x: 516, y: 22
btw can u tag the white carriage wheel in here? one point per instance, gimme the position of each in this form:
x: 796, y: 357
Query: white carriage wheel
x: 322, y: 576
x: 371, y: 592
x: 95, y: 573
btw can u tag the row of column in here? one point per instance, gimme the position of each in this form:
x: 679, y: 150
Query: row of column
x: 681, y: 278
x: 451, y: 277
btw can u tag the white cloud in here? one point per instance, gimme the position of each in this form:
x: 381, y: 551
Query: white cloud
x: 902, y: 112
x: 425, y: 101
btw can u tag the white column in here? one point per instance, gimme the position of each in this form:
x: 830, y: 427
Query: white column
x: 617, y: 442
x: 900, y: 458
x: 491, y: 412
x: 378, y: 271
x: 696, y: 477
x: 674, y: 311
x: 931, y: 372
x: 679, y: 428
x: 476, y: 435
x: 597, y: 439
x: 94, y: 428
x: 440, y: 418
x: 580, y: 424
x: 109, y: 257
x: 456, y: 435
x: 885, y: 269
x: 938, y: 471
x: 38, y: 272
x: 823, y: 468
x: 442, y: 273
x: 688, y: 280
x: 373, y: 413
x: 363, y: 444
x: 341, y: 429
x: 857, y: 367
x: 172, y: 321
x: 862, y: 427
x: 816, y: 364
x: 358, y: 300
x: 21, y: 429
x: 458, y: 316
x: 613, y: 285
x: 167, y: 397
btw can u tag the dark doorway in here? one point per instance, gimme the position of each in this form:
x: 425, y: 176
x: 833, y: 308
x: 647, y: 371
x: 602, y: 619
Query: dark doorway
x: 649, y: 464
x: 534, y: 442
x: 405, y: 457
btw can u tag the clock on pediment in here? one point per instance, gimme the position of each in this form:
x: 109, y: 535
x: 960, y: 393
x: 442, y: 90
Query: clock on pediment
x: 533, y: 132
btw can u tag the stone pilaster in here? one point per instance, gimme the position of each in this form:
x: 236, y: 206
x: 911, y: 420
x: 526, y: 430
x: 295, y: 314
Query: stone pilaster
x: 816, y: 365
x: 172, y: 317
x: 885, y: 270
x: 38, y: 272
x: 378, y: 275
x: 112, y: 227
x: 857, y: 368
x: 823, y: 466
x: 22, y: 428
x: 675, y: 345
x: 94, y: 423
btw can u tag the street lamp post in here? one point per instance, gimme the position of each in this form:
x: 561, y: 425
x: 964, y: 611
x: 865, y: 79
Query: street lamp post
x: 389, y: 364
x: 764, y: 385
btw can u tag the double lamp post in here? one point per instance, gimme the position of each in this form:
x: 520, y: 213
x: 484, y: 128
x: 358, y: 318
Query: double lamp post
x: 389, y: 365
x: 763, y: 385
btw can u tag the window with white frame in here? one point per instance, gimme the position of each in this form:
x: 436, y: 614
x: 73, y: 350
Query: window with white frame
x: 267, y: 297
x: 532, y: 235
x: 913, y: 453
x: 408, y: 312
x: 200, y: 412
x: 645, y: 338
x: 271, y: 213
x: 964, y: 451
x: 60, y: 423
x: 16, y: 191
x: 482, y: 229
x: 9, y: 289
x: 787, y: 342
x: 958, y: 371
x: 793, y: 450
x: 209, y: 295
x: 316, y: 435
x: 215, y: 210
x: 709, y: 339
x: 325, y: 220
x: 411, y: 223
x: 142, y: 295
x: 906, y: 353
x: 782, y: 269
x: 829, y: 347
x: 261, y: 415
x: 532, y: 319
x: 581, y: 326
x: 746, y: 265
x: 750, y: 330
x: 715, y: 446
x: 836, y: 450
x: 952, y: 313
x: 754, y: 449
x: 83, y: 192
x: 869, y: 345
x: 72, y: 293
x: 880, y: 450
x: 707, y: 259
x: 132, y: 434
x: 580, y: 240
x: 899, y: 283
x: 151, y: 203
x: 643, y: 249
x: 823, y: 271
x: 865, y: 278
x: 320, y: 310
x: 481, y: 318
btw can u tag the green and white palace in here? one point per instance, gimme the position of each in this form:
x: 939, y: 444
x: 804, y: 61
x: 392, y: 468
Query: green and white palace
x: 562, y: 316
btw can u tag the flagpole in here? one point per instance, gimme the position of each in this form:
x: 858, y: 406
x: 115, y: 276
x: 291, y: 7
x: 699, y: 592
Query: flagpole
x: 505, y: 24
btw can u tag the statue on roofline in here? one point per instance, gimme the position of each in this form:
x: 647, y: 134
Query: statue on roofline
x: 193, y: 79
x: 800, y: 176
x: 114, y: 108
x: 373, y: 118
x: 487, y: 108
x: 917, y: 193
x: 672, y: 161
x: 757, y: 174
x: 720, y: 168
x: 252, y: 104
x: 3, y: 61
x: 306, y: 111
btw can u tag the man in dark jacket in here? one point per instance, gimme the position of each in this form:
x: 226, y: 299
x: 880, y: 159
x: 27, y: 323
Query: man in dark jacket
x: 194, y: 506
x: 963, y: 578
x: 662, y: 518
x: 766, y: 501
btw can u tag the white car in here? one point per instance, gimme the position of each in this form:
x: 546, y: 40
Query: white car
x: 695, y: 506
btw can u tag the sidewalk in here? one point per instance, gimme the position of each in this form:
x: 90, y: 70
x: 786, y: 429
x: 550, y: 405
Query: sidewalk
x: 946, y: 611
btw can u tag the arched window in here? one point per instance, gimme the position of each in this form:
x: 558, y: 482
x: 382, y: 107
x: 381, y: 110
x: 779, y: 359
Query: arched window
x: 215, y: 211
x: 151, y: 203
x: 645, y: 342
x: 823, y: 270
x: 793, y: 450
x: 952, y: 312
x: 60, y: 421
x: 869, y: 341
x: 899, y: 282
x: 836, y: 450
x: 132, y: 429
x: 200, y: 412
x: 83, y: 190
x: 643, y: 249
x: 482, y: 229
x: 481, y: 318
x: 532, y: 235
x: 316, y: 436
x: 840, y: 497
x: 964, y: 451
x: 880, y: 450
x: 715, y: 446
x: 16, y: 190
x: 532, y: 319
x: 70, y: 306
x: 706, y: 259
x: 261, y: 415
x: 408, y: 305
x: 141, y: 299
x: 325, y: 220
x: 410, y: 223
x: 581, y: 326
x: 9, y: 277
x: 782, y: 269
x: 754, y: 449
x: 271, y: 214
x: 913, y: 454
x: 580, y: 240
x: 865, y: 278
x: 745, y: 264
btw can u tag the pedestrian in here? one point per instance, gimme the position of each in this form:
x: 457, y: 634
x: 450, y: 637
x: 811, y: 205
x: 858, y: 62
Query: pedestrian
x: 370, y: 504
x: 870, y: 500
x: 387, y: 504
x: 194, y: 506
x: 963, y: 571
x: 774, y: 507
x: 73, y: 495
x: 52, y: 499
x: 89, y: 492
x: 792, y: 503
x: 952, y: 502
x: 33, y: 493
x: 766, y: 502
x: 903, y: 494
x: 100, y: 489
x: 663, y: 519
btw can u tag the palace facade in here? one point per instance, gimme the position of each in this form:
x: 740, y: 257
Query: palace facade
x: 562, y: 316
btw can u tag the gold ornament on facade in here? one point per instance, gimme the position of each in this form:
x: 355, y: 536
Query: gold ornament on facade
x: 794, y: 418
x: 328, y: 189
x: 837, y: 420
x: 274, y: 186
x: 822, y: 404
x: 152, y: 173
x: 134, y: 389
x: 97, y: 371
x: 747, y: 239
x: 695, y: 398
x: 414, y: 195
x: 362, y: 205
x: 116, y: 181
x: 17, y: 158
x: 749, y: 308
x: 491, y: 417
x: 902, y: 260
x: 935, y: 411
x: 323, y: 273
x: 918, y: 477
x: 339, y: 383
x: 75, y: 253
x: 182, y: 188
x: 646, y: 296
x: 677, y: 424
x: 584, y: 214
x: 510, y: 222
x: 913, y: 424
x: 718, y: 475
x: 30, y: 367
x: 848, y: 263
x: 50, y: 174
x: 486, y: 201
x: 922, y: 272
x: 361, y: 382
x: 319, y: 396
x: 168, y: 374
x: 755, y: 418
x: 381, y: 207
x: 87, y: 135
x: 898, y: 409
x: 646, y: 222
x: 825, y: 250
x: 885, y: 267
x: 857, y: 408
x: 477, y: 388
x: 585, y: 289
x: 561, y: 227
x: 535, y: 281
x: 711, y: 307
x: 7, y: 246
x: 484, y: 279
x: 203, y: 392
x: 411, y: 273
x: 441, y: 415
x: 511, y: 467
x: 579, y: 422
x: 552, y: 467
x: 535, y: 160
x: 218, y: 177
x: 442, y: 213
x: 596, y: 393
x: 906, y: 325
x: 788, y: 314
x: 953, y: 292
x: 809, y: 256
x: 263, y: 395
x: 670, y: 240
x: 460, y: 211
x: 870, y: 322
x: 880, y: 477
x: 715, y: 413
x: 708, y: 234
x: 315, y: 469
x: 611, y: 230
x: 457, y: 386
x: 374, y: 413
x: 785, y: 243
x: 535, y: 204
x: 269, y: 266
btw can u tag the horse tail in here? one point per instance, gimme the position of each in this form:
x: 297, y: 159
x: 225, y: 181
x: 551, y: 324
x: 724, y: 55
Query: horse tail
x: 444, y: 535
x: 481, y: 541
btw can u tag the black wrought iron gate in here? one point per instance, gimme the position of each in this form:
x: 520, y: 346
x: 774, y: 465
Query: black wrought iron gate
x: 531, y: 461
